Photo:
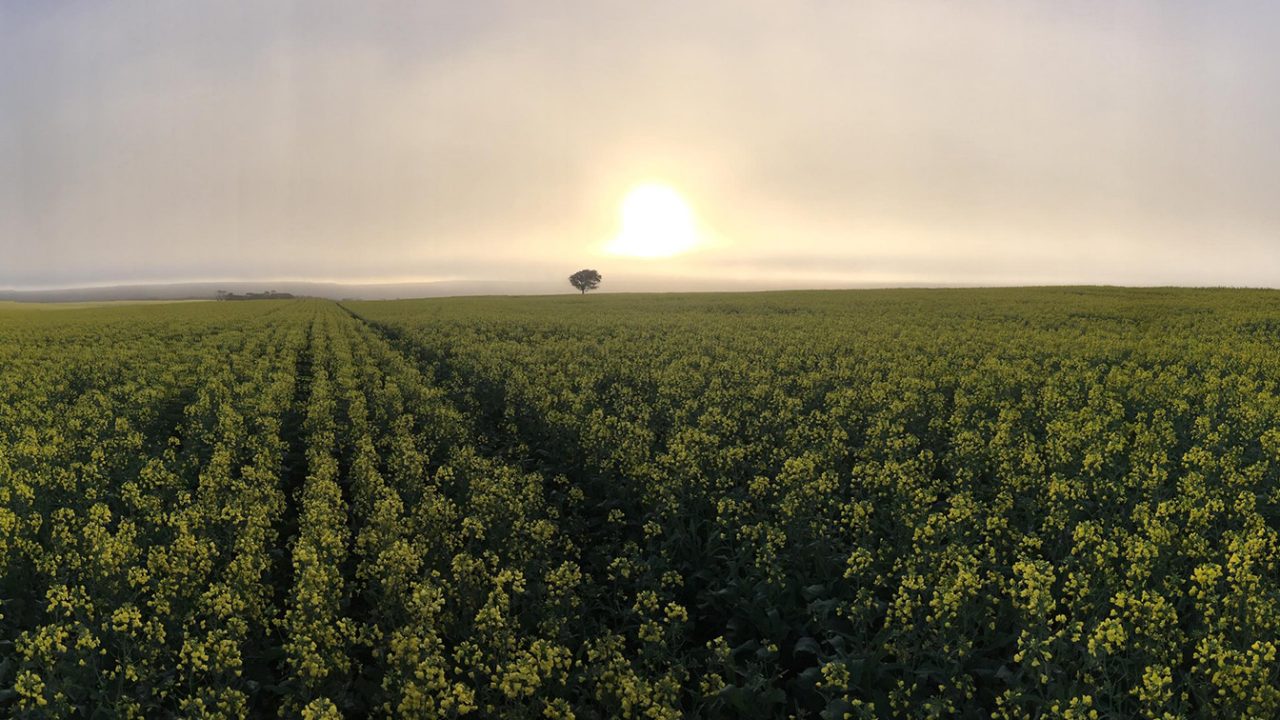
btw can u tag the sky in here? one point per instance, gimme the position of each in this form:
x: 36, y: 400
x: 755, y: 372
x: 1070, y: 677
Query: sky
x: 816, y: 143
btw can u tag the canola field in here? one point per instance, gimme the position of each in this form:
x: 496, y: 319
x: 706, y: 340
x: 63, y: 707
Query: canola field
x: 1022, y: 503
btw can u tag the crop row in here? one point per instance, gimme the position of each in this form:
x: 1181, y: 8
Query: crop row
x: 1017, y: 504
x: 1021, y: 503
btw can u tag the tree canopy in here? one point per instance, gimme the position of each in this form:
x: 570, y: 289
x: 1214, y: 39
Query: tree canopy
x: 585, y: 280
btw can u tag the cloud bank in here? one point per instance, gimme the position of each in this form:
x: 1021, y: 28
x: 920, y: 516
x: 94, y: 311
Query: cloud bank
x: 820, y: 143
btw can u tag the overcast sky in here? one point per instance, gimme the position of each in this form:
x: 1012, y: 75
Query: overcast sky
x: 818, y: 143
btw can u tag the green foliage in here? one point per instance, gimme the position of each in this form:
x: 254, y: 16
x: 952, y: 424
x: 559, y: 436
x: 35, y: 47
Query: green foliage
x: 911, y: 503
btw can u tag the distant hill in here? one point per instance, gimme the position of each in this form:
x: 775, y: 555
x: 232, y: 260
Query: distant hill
x: 613, y: 282
x: 333, y: 291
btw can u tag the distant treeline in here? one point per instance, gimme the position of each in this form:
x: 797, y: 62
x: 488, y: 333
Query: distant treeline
x: 268, y: 295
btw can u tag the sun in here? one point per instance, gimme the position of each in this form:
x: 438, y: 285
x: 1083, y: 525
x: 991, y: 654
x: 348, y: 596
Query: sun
x: 656, y: 223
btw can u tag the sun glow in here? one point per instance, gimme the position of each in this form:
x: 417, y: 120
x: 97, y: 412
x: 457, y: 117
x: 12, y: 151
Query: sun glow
x: 656, y: 223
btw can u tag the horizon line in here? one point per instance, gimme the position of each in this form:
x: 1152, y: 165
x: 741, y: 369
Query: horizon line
x: 11, y: 290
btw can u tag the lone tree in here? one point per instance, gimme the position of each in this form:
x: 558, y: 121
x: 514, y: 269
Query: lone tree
x: 585, y: 280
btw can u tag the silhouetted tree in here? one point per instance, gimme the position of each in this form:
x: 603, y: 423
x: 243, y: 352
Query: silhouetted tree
x: 585, y: 280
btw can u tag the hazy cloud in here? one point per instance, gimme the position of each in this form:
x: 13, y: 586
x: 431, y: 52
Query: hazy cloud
x: 831, y: 143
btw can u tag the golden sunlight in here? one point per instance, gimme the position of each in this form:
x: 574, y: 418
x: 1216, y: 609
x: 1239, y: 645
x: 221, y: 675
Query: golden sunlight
x: 656, y: 223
